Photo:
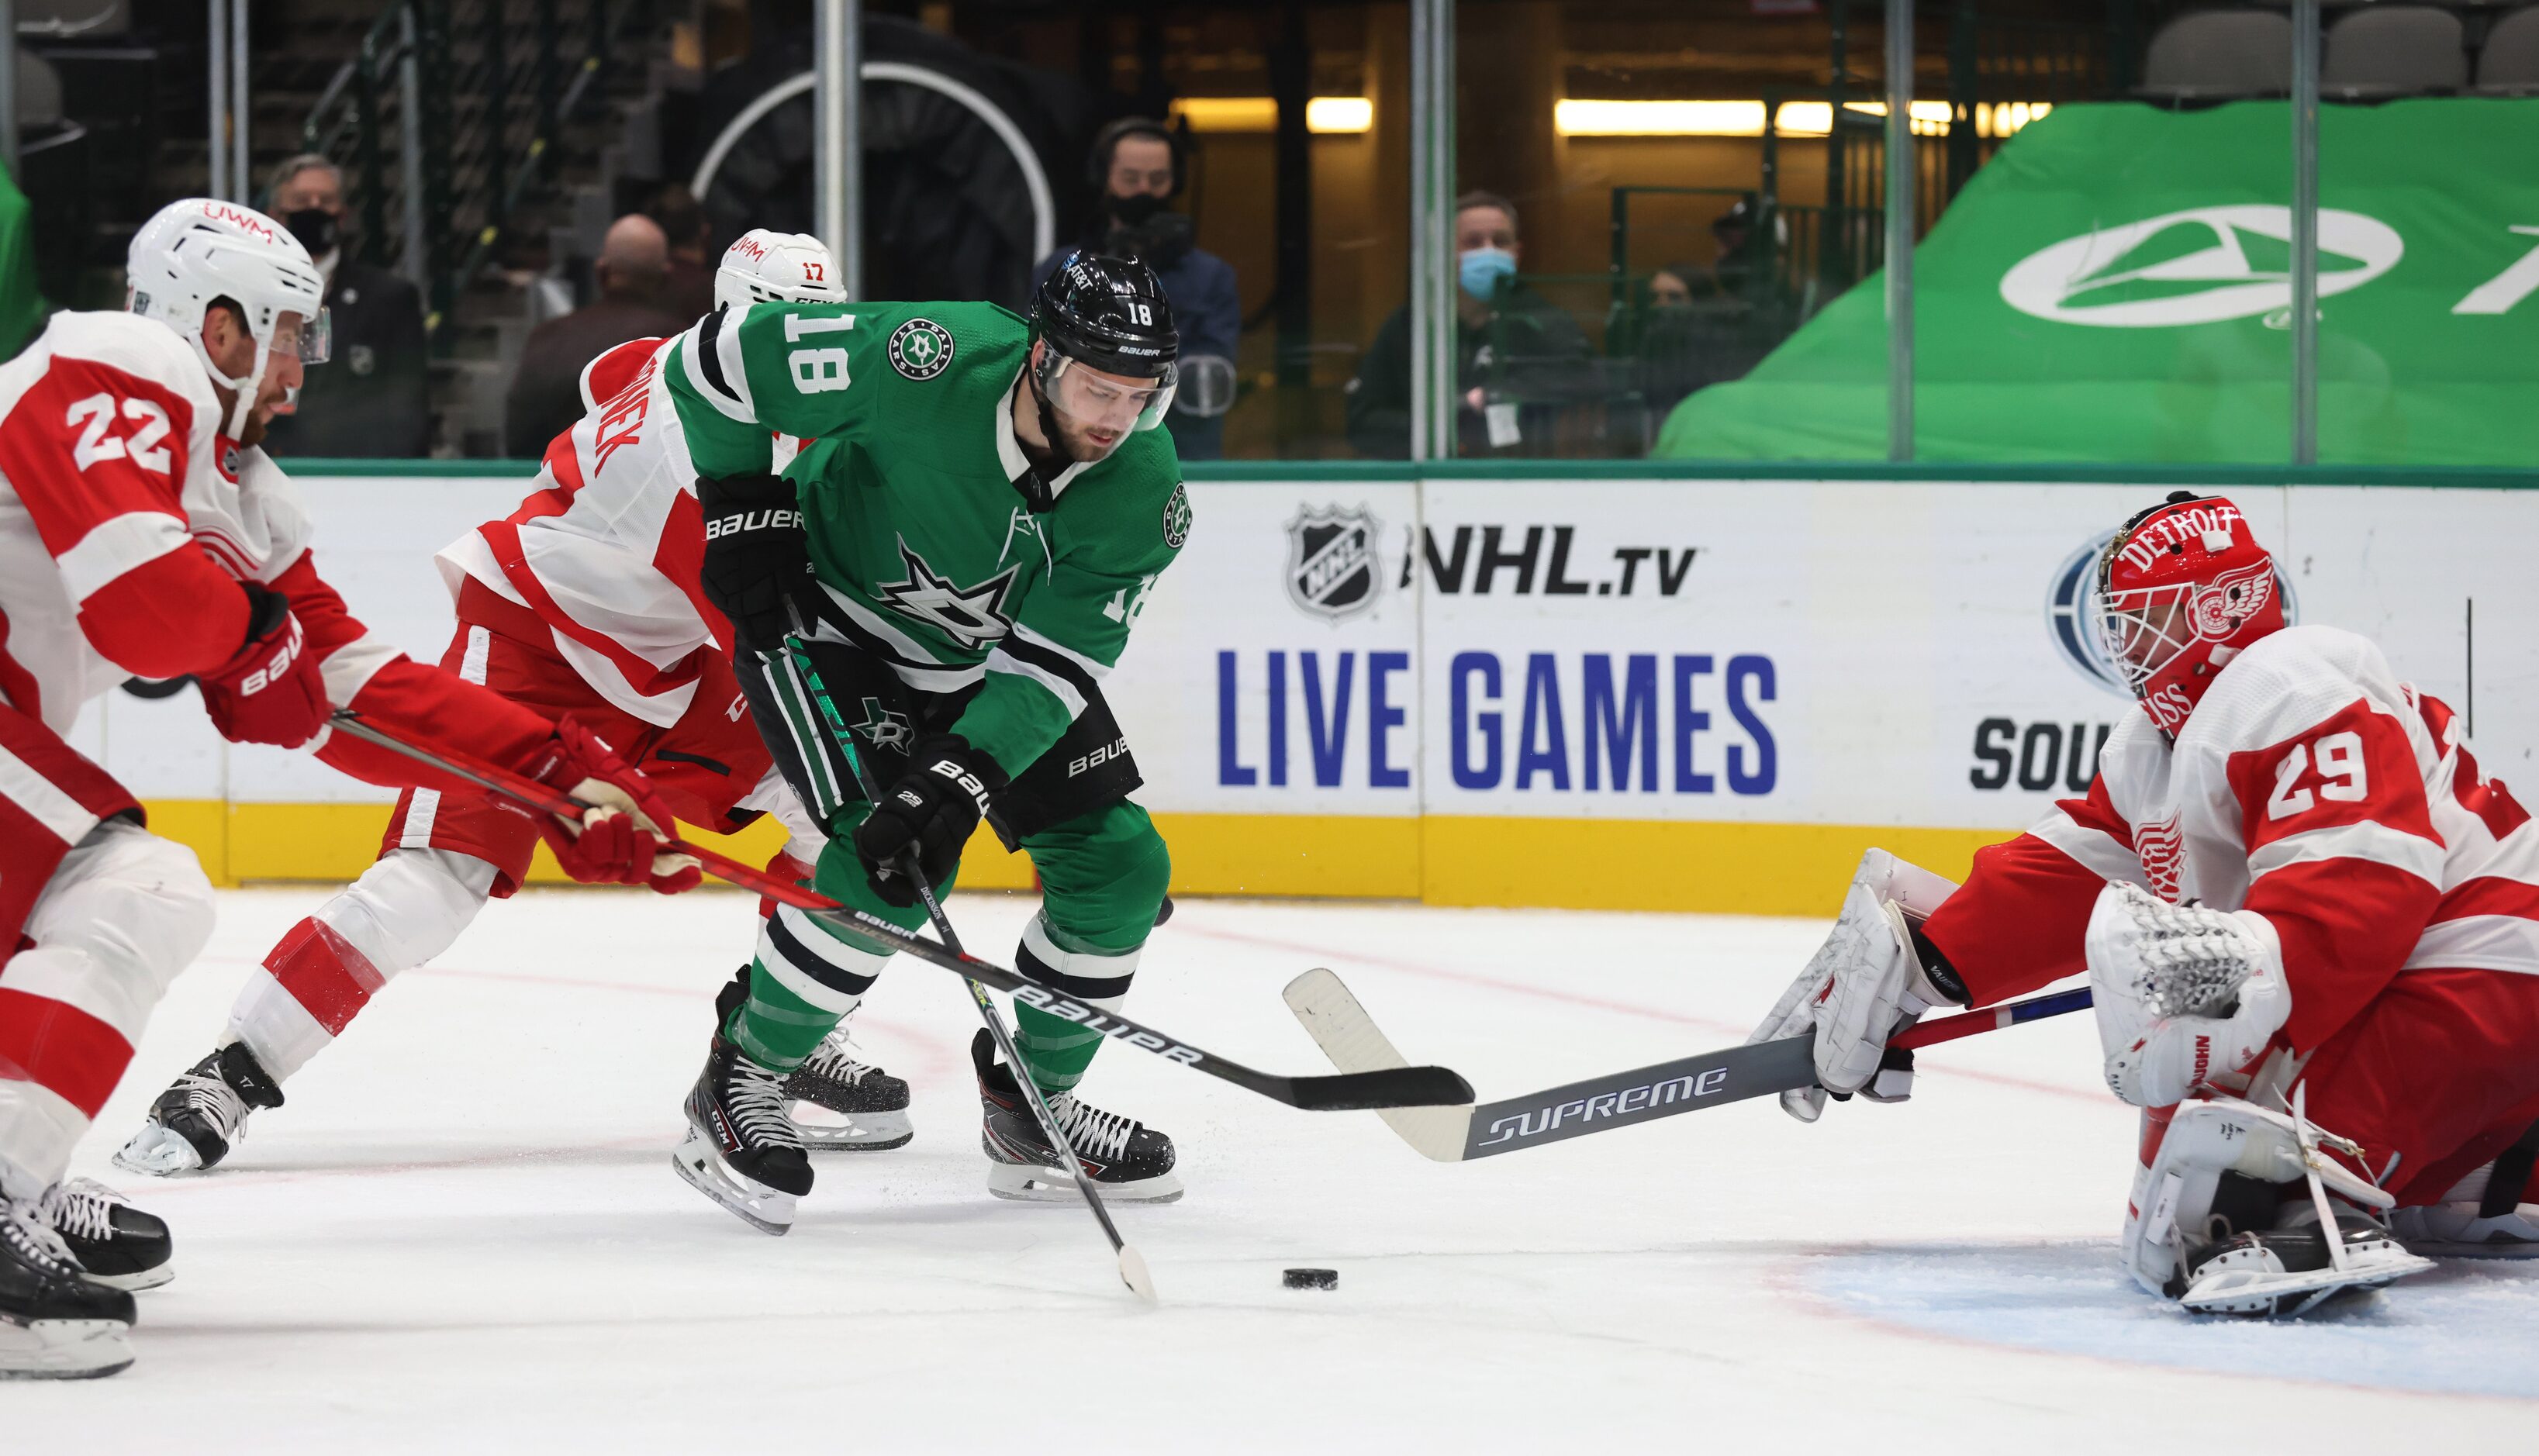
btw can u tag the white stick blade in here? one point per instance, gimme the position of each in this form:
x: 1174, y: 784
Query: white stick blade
x: 1133, y: 1273
x: 1341, y: 1026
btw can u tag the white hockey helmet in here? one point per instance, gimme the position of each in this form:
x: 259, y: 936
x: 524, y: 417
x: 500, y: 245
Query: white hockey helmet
x: 202, y: 249
x: 792, y: 266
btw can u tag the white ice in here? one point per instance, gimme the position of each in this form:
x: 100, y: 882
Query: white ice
x: 463, y: 1233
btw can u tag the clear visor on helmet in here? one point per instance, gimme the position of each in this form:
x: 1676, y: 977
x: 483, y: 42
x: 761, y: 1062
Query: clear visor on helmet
x: 308, y: 340
x: 1100, y: 401
x: 2142, y: 630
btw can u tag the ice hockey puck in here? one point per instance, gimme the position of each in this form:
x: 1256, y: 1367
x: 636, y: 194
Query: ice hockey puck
x: 1311, y: 1279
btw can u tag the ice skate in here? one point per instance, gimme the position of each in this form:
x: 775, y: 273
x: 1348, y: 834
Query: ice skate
x: 843, y: 1105
x: 2464, y: 1230
x: 116, y: 1244
x: 202, y: 1115
x: 741, y: 1150
x: 854, y: 1106
x: 2288, y: 1270
x: 1130, y: 1161
x: 55, y: 1324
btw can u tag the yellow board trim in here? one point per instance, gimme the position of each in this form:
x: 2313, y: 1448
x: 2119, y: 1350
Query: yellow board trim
x: 1747, y: 869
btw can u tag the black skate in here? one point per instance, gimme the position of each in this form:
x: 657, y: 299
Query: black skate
x: 54, y: 1324
x: 1127, y: 1160
x: 2277, y: 1273
x: 116, y: 1244
x: 202, y: 1115
x: 857, y: 1106
x: 741, y: 1150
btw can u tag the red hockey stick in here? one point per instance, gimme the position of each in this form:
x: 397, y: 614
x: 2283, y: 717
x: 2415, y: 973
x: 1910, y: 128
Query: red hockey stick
x: 1394, y: 1087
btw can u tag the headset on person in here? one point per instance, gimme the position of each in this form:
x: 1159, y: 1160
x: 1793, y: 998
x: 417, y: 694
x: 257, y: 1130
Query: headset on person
x: 1097, y: 161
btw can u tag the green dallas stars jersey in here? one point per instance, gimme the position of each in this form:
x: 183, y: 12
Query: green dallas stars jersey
x: 915, y: 528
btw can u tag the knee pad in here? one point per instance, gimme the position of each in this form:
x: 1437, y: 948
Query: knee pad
x: 410, y: 906
x: 124, y: 912
x: 1106, y: 887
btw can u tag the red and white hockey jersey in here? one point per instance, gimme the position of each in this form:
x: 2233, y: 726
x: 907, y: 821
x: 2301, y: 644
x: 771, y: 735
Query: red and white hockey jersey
x: 605, y: 549
x: 125, y: 522
x: 2309, y: 785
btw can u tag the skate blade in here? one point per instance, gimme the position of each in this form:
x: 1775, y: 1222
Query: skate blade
x: 1031, y: 1183
x: 158, y: 1152
x: 851, y: 1132
x: 2248, y: 1290
x: 63, y: 1348
x: 139, y: 1279
x: 767, y: 1210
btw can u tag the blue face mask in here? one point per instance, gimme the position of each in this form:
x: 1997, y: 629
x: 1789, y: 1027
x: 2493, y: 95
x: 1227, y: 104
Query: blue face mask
x: 1484, y: 269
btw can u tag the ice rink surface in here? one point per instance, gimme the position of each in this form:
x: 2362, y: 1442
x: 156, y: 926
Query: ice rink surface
x: 463, y: 1233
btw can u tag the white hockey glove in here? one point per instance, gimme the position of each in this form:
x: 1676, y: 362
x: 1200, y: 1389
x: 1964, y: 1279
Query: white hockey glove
x: 2182, y: 993
x: 1864, y: 985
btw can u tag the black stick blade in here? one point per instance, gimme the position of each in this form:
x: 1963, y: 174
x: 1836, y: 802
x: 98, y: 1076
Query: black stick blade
x: 1392, y: 1086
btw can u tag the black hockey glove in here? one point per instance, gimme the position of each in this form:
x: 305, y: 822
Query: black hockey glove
x: 757, y: 560
x: 933, y: 809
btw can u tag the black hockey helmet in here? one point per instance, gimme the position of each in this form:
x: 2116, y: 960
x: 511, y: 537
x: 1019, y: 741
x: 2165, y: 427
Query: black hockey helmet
x: 1109, y: 314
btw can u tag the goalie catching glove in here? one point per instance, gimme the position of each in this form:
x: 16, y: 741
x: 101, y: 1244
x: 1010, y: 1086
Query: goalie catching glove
x: 1873, y: 978
x: 931, y: 812
x: 2183, y: 993
x: 619, y: 837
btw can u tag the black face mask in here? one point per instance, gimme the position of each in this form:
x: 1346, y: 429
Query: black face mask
x: 316, y: 230
x: 1133, y: 211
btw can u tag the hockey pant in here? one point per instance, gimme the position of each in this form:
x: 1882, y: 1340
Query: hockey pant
x: 97, y: 916
x: 1102, y: 867
x: 444, y: 854
x: 2437, y: 1075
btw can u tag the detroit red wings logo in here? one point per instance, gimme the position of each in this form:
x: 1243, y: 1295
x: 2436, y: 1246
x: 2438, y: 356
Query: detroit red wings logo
x: 2157, y: 847
x: 2231, y: 598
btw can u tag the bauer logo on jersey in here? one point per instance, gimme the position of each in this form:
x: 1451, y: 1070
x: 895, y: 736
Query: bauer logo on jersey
x: 921, y: 348
x: 970, y: 615
x: 1331, y: 566
x: 2070, y: 611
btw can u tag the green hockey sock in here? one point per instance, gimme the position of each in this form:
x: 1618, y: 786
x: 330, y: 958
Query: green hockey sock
x: 1055, y: 1049
x: 778, y: 1029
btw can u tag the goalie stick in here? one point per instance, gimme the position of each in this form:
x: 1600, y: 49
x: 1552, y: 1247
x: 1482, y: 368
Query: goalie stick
x: 1392, y: 1086
x: 1355, y: 1044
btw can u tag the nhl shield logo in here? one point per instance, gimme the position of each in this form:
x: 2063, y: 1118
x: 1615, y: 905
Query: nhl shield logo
x: 1331, y: 567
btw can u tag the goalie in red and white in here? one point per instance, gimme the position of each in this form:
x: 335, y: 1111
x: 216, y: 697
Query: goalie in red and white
x: 2312, y: 929
x: 143, y: 533
x: 583, y: 602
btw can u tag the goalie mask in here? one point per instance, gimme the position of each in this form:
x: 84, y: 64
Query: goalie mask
x: 2183, y: 588
x: 201, y: 251
x: 765, y: 266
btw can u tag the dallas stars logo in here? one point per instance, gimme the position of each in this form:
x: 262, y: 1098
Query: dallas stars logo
x: 886, y: 730
x: 969, y: 616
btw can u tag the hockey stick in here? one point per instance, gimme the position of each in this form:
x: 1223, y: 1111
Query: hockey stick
x: 1132, y: 1264
x: 1352, y: 1040
x: 1396, y: 1087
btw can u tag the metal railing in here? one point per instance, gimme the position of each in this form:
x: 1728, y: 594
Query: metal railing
x: 450, y: 118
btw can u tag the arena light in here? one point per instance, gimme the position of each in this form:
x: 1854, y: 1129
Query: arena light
x: 1323, y: 116
x: 1580, y: 117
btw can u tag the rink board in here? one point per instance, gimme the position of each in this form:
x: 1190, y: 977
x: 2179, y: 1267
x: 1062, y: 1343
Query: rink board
x: 1663, y: 693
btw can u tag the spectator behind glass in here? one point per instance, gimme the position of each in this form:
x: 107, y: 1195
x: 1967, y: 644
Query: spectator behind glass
x: 1137, y: 168
x: 1707, y: 326
x: 373, y: 398
x: 1514, y: 352
x: 688, y: 292
x: 545, y: 397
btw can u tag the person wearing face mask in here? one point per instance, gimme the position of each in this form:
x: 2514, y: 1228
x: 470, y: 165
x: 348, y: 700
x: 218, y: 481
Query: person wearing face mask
x: 375, y: 402
x: 1516, y: 352
x: 1137, y: 166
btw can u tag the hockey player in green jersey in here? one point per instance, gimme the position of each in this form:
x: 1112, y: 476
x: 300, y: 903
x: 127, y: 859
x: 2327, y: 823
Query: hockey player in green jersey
x: 964, y: 547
